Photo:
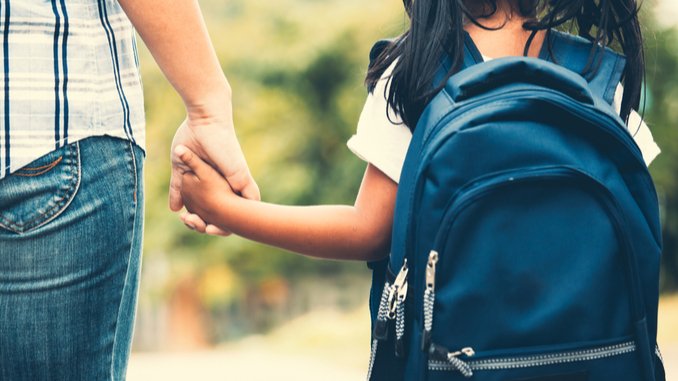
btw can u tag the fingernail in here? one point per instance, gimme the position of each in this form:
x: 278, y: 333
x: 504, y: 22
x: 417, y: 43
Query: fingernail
x: 190, y: 226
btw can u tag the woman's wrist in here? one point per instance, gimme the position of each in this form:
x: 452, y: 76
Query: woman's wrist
x: 211, y: 106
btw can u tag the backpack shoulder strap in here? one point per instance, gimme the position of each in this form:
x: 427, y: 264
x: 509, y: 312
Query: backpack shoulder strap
x: 602, y: 68
x: 471, y: 57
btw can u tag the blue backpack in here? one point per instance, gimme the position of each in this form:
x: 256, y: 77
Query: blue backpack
x: 526, y: 242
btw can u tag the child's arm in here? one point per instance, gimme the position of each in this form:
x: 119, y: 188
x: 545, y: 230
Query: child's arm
x: 359, y: 232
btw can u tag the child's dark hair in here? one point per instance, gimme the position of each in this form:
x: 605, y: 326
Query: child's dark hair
x: 436, y: 29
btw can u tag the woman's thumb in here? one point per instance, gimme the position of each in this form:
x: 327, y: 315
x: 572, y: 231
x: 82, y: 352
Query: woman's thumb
x: 243, y: 183
x: 251, y: 190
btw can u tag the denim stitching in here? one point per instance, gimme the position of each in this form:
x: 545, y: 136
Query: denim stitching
x: 129, y: 259
x: 46, y: 166
x: 21, y: 228
x: 77, y: 174
x: 61, y: 202
x: 18, y: 227
x: 136, y: 176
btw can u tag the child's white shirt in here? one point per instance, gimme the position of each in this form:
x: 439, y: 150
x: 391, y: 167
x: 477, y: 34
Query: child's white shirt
x: 383, y: 142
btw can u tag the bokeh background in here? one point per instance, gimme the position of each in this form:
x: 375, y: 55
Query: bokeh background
x: 229, y: 309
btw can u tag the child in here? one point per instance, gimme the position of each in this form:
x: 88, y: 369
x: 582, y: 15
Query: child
x: 401, y: 80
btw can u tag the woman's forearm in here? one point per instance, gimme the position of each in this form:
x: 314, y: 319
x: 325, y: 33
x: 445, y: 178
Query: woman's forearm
x: 176, y: 35
x: 325, y: 231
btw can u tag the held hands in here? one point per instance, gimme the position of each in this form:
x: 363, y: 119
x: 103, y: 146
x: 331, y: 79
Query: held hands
x: 220, y: 148
x: 204, y: 191
x: 212, y: 138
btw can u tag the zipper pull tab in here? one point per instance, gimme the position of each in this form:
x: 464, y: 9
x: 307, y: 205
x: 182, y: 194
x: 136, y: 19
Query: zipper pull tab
x: 399, y: 283
x: 401, y: 279
x: 468, y: 352
x: 441, y: 353
x: 429, y: 299
x: 402, y: 292
x: 431, y: 270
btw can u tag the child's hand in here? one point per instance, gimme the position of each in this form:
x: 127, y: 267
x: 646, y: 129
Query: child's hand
x: 204, y: 191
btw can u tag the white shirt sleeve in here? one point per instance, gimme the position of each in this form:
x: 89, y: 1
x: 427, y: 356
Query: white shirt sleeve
x: 639, y: 129
x: 381, y: 141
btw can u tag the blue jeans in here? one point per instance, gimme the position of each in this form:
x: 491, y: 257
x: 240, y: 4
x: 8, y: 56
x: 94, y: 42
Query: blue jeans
x: 70, y: 243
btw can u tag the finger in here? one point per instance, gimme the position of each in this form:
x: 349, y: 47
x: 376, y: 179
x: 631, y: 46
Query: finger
x: 232, y: 165
x: 216, y: 231
x: 175, y: 200
x: 176, y: 183
x: 191, y: 160
x: 243, y: 183
x: 188, y: 180
x: 251, y: 190
x: 193, y: 221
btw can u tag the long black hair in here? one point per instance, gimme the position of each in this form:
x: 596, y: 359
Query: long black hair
x: 437, y: 30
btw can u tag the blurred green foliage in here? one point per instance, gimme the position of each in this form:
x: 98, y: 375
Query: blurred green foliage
x: 297, y: 68
x: 297, y: 71
x: 662, y: 116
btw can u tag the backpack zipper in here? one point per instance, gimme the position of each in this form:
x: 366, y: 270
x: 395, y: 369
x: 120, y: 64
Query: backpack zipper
x: 398, y: 291
x: 397, y: 308
x: 429, y: 299
x: 452, y: 359
x: 400, y: 321
x: 391, y: 306
x: 380, y: 328
x: 445, y: 361
x: 388, y: 305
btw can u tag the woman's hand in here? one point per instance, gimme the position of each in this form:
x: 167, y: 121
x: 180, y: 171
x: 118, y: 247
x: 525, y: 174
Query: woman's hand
x: 194, y: 222
x: 208, y: 132
x: 213, y: 140
x: 175, y: 33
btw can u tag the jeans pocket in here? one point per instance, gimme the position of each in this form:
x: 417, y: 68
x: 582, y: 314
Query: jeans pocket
x: 38, y: 193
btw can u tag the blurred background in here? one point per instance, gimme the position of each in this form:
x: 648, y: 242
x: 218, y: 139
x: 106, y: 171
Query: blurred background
x: 228, y: 309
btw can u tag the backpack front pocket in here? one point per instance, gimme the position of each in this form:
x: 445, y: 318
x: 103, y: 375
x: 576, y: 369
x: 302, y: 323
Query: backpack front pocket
x: 513, y: 267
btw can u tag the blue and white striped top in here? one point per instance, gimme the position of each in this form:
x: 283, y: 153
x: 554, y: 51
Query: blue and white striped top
x: 70, y: 70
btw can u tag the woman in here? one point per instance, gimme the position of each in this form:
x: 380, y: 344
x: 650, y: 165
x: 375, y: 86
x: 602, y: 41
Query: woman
x: 71, y: 172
